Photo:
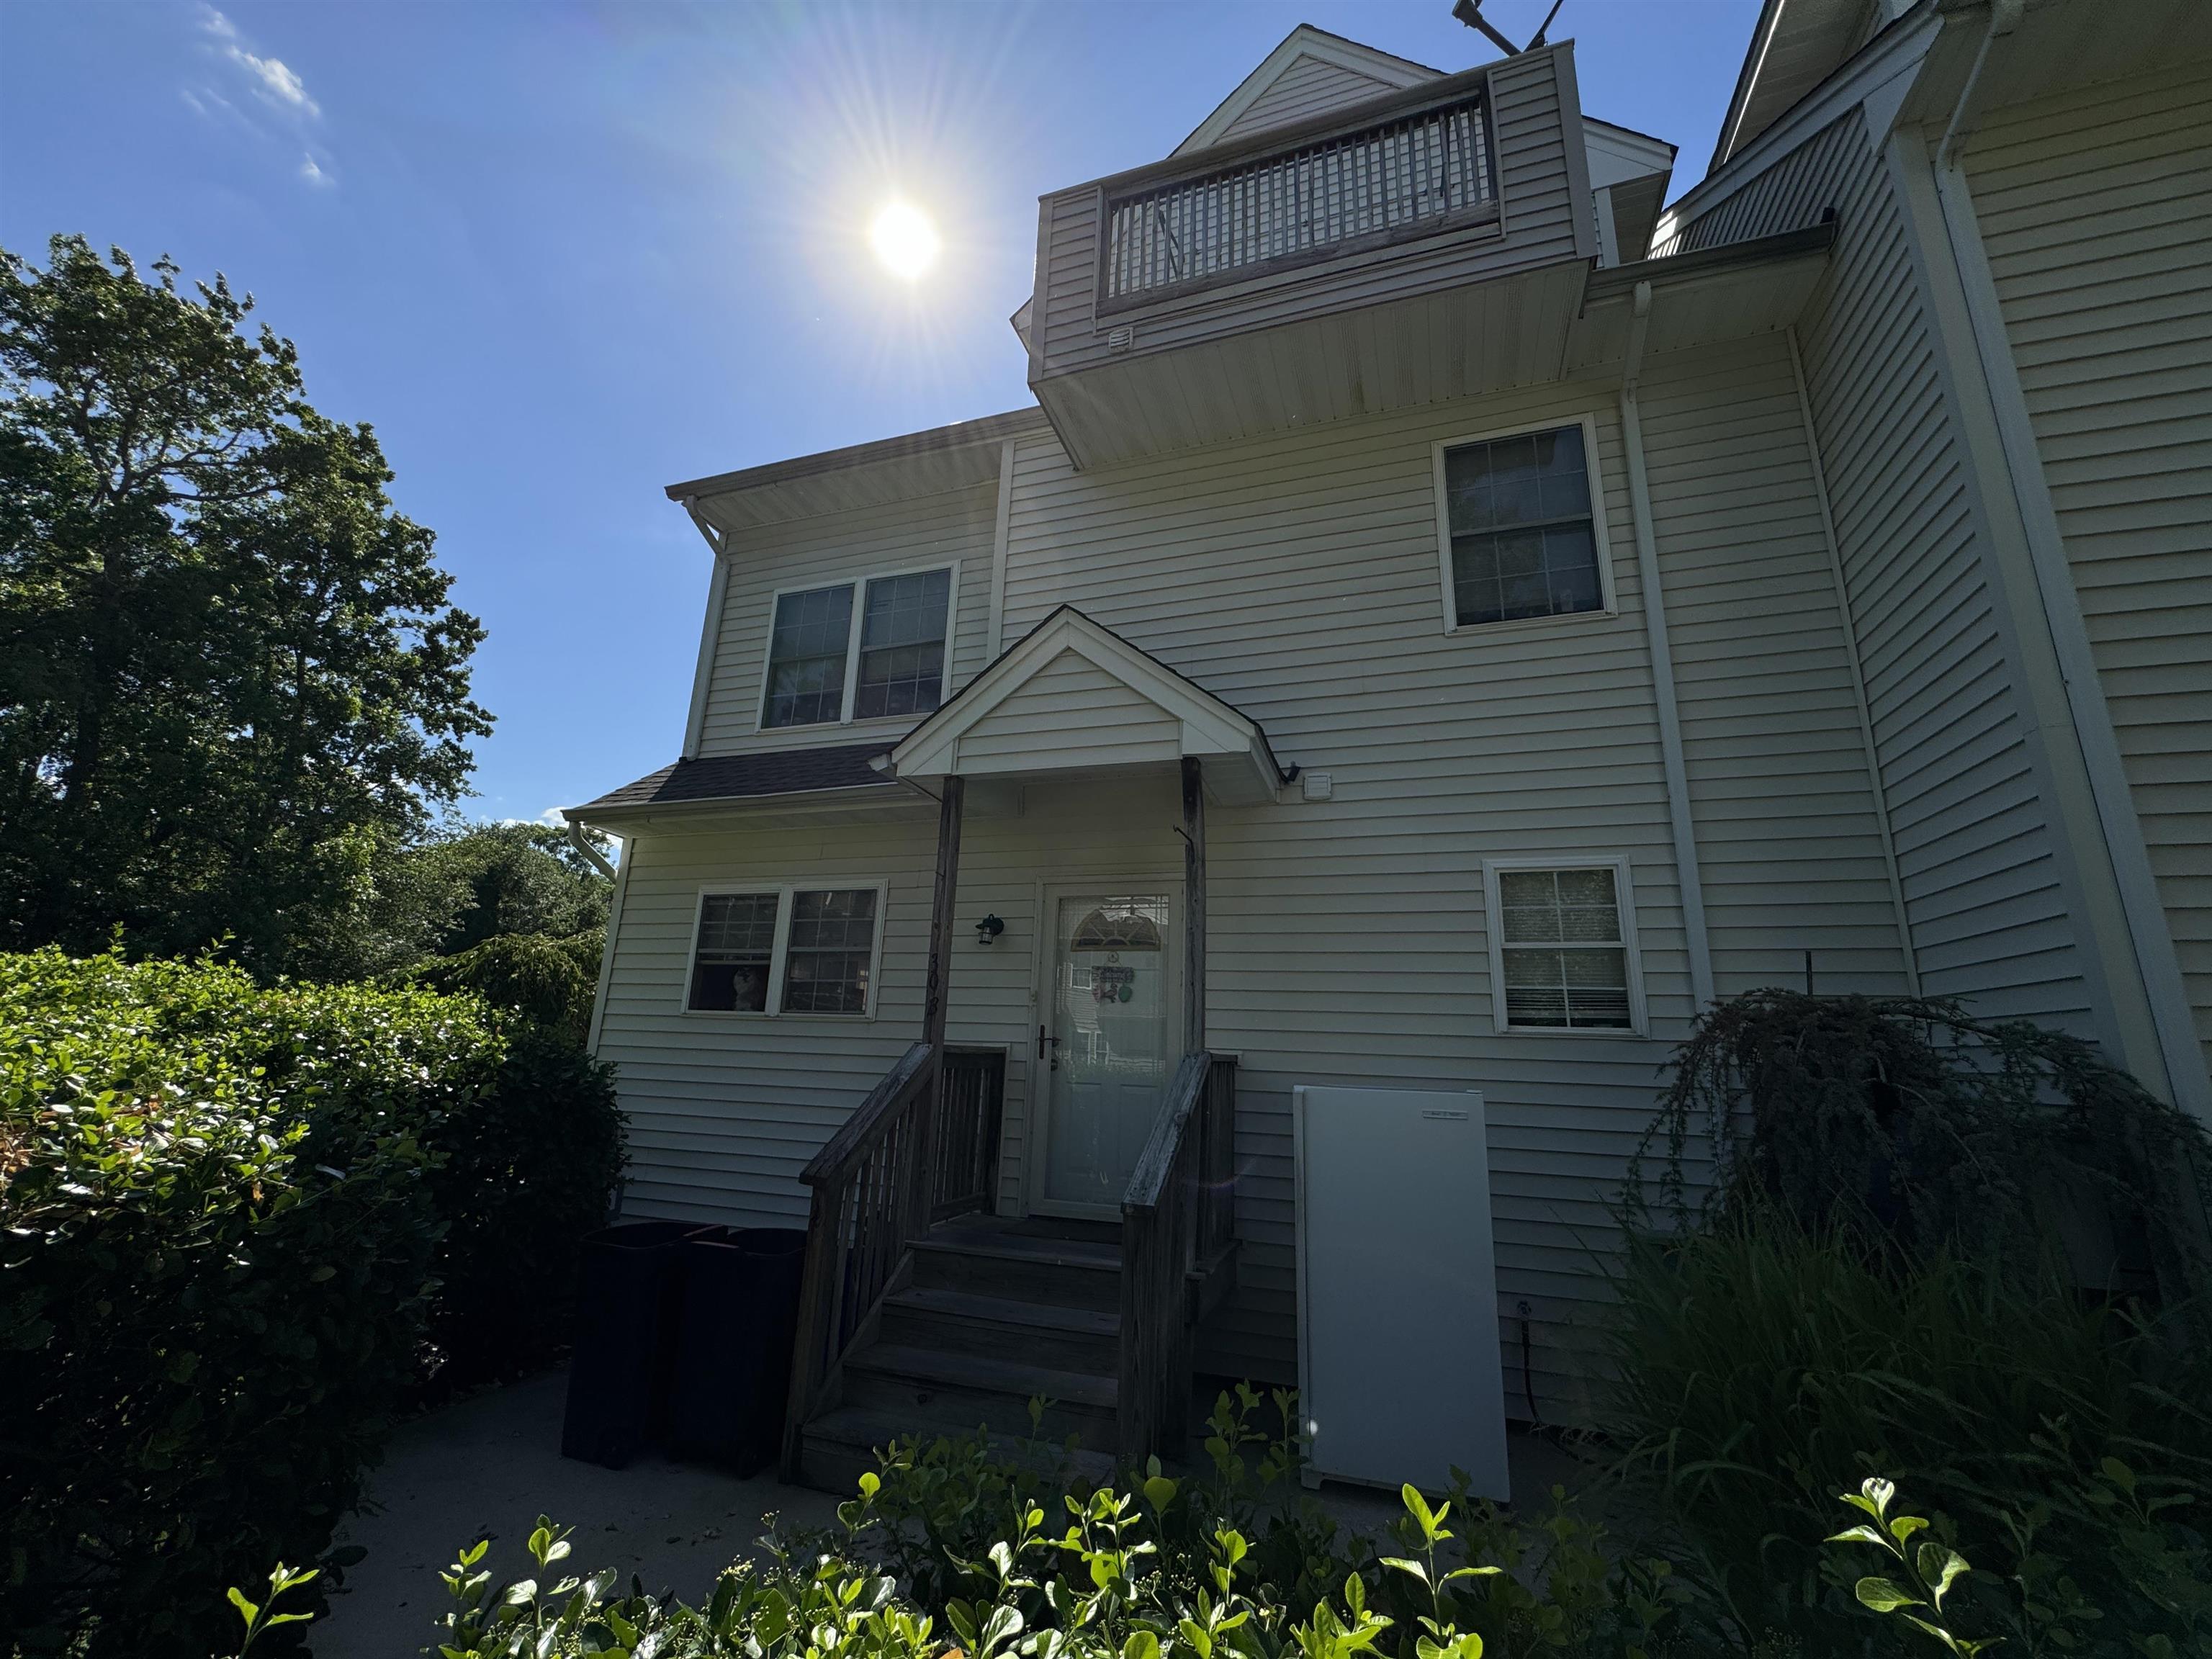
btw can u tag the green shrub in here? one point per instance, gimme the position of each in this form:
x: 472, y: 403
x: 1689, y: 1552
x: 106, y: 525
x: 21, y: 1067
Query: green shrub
x: 549, y: 981
x: 224, y: 1220
x: 1761, y: 1370
x: 1930, y: 1131
x: 523, y: 1174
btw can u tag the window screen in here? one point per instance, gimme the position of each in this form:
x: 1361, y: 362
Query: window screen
x: 1564, y: 957
x: 730, y: 965
x: 833, y: 936
x: 903, y: 645
x: 807, y: 657
x: 1522, y: 541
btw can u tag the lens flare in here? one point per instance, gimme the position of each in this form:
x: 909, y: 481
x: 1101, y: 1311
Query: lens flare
x: 905, y: 241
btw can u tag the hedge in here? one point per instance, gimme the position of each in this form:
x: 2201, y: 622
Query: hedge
x: 226, y: 1212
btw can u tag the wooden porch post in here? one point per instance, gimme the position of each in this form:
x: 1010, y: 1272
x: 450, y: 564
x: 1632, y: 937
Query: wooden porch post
x: 1194, y: 887
x: 937, y: 996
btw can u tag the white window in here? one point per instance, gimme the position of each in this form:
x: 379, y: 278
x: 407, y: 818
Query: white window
x: 1563, y: 952
x: 1520, y: 526
x: 869, y: 650
x: 801, y: 949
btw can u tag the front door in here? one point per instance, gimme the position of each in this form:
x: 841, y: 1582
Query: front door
x: 1109, y: 1017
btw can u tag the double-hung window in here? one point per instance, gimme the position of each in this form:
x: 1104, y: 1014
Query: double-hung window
x: 787, y: 950
x: 1563, y: 946
x: 1522, y: 527
x: 867, y: 650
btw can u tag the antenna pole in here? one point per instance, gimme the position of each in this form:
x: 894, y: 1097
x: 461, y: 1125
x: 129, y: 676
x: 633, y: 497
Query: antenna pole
x: 1544, y: 28
x: 1469, y: 12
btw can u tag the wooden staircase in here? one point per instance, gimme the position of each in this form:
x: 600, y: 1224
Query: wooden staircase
x: 993, y: 1314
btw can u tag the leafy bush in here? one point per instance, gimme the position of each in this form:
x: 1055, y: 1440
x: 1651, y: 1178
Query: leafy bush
x: 524, y: 1174
x: 225, y: 1213
x: 1934, y: 1131
x: 547, y: 981
x: 1762, y: 1368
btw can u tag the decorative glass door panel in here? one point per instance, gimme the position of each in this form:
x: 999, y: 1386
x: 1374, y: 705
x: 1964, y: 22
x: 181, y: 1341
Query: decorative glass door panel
x: 1109, y: 1041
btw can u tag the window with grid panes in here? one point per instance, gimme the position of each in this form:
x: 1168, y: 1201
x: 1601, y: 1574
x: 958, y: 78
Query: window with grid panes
x: 1522, y: 541
x: 731, y: 959
x: 807, y: 646
x: 1565, y: 956
x: 902, y: 627
x: 825, y: 966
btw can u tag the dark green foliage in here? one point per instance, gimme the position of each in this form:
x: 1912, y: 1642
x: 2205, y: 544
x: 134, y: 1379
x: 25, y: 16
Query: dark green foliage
x: 1761, y: 1371
x: 515, y: 878
x: 225, y: 1215
x: 527, y: 1172
x: 1912, y: 1121
x: 231, y: 684
x: 549, y: 981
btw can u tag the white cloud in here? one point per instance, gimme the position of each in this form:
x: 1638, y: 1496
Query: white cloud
x: 310, y: 173
x: 278, y: 82
x: 214, y: 22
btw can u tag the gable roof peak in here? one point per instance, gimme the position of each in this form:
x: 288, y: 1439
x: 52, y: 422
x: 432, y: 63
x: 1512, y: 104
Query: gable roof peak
x: 1387, y: 70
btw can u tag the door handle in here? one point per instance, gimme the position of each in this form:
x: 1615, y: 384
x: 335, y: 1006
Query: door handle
x: 1046, y: 1041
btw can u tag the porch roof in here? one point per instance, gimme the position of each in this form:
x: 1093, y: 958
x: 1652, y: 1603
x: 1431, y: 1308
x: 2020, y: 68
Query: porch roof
x: 1073, y: 696
x: 740, y: 777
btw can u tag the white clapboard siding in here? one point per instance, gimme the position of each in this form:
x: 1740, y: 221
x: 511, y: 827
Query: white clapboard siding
x: 2093, y: 207
x: 1307, y: 90
x: 1072, y: 712
x: 1981, y: 886
x: 835, y: 547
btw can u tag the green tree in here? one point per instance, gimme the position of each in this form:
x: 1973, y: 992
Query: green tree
x: 513, y: 879
x: 231, y: 684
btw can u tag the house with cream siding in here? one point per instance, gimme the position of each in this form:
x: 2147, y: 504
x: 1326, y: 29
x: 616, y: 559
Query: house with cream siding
x: 1446, y: 619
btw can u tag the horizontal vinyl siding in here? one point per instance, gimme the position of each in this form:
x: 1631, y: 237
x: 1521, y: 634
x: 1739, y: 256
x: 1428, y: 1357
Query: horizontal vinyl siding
x: 1982, y: 893
x: 1307, y: 90
x: 1072, y: 713
x: 1789, y: 839
x: 837, y: 547
x: 2094, y: 208
x: 1531, y: 164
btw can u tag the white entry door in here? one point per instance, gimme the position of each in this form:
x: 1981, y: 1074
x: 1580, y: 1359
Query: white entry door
x: 1109, y: 1015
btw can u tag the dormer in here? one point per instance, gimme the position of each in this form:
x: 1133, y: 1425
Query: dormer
x: 1348, y: 233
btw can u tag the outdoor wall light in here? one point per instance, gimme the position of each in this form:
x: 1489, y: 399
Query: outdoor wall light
x: 989, y: 929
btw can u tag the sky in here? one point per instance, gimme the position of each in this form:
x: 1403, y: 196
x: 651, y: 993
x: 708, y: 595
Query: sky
x: 561, y: 255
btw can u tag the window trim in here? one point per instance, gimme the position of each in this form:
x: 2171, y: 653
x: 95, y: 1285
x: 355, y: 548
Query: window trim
x: 859, y: 584
x: 1608, y: 605
x: 1493, y: 927
x: 778, y: 952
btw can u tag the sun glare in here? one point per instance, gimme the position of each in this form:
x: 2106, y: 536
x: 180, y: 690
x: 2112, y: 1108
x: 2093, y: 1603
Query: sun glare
x: 905, y: 241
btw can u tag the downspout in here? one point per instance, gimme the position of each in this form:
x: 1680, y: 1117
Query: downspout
x: 1662, y: 662
x: 710, y: 632
x: 623, y: 845
x: 2148, y: 938
x: 581, y: 842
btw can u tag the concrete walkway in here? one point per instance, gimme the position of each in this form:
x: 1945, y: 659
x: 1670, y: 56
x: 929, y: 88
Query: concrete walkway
x: 487, y: 1469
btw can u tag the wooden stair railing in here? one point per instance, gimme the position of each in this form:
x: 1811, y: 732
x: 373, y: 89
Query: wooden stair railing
x: 1177, y: 1213
x: 875, y: 1190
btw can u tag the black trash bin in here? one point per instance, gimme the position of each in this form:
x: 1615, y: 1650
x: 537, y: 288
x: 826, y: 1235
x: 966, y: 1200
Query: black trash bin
x: 733, y: 1360
x: 629, y: 1310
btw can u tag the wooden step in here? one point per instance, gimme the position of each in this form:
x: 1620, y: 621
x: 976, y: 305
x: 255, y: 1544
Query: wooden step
x: 840, y: 1446
x: 1012, y: 1266
x: 1075, y: 1339
x: 935, y: 1389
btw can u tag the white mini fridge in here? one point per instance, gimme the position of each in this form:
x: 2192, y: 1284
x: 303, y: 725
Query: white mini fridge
x: 1399, y: 1369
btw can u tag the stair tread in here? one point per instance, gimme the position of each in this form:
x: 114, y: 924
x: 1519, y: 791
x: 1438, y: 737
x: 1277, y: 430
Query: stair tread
x: 1007, y: 1311
x: 987, y: 1375
x: 1021, y: 1246
x: 862, y: 1427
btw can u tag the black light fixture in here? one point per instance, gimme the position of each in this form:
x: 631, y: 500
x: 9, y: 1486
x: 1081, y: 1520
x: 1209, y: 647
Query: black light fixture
x: 989, y: 929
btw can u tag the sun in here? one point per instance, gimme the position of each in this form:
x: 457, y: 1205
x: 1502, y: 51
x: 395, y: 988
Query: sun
x: 905, y: 241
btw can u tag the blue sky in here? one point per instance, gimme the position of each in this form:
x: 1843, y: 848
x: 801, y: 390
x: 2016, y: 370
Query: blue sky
x: 561, y: 255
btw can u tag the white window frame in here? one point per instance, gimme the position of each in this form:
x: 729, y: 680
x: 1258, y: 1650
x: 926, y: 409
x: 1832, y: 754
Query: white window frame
x: 1493, y: 924
x: 778, y: 952
x: 1608, y: 606
x: 859, y: 585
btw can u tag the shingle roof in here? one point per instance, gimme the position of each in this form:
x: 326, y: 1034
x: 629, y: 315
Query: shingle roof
x: 726, y: 777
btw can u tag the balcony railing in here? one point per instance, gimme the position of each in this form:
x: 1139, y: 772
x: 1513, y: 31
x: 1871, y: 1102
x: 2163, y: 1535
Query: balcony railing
x: 1411, y: 175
